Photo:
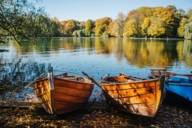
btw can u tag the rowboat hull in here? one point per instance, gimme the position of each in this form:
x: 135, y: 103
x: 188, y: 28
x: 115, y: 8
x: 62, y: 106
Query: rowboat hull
x: 141, y: 97
x: 180, y: 86
x: 65, y: 96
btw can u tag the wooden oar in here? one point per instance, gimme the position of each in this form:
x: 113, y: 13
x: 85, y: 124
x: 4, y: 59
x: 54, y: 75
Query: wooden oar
x: 92, y: 79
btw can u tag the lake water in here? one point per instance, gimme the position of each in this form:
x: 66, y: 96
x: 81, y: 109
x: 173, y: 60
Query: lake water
x: 99, y: 56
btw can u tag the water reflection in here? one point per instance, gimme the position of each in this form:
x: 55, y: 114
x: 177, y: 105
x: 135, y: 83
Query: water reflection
x: 99, y: 56
x: 150, y: 53
x: 139, y: 53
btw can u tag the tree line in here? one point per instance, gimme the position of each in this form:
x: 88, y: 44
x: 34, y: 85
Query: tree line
x: 20, y: 19
x: 142, y: 22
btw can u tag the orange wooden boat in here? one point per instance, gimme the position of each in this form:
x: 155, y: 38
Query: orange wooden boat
x: 134, y: 95
x: 63, y: 93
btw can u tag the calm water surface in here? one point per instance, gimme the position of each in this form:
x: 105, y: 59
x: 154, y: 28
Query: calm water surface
x: 98, y: 56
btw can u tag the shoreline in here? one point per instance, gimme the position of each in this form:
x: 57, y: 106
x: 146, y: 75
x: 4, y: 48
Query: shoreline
x: 96, y: 115
x: 131, y: 38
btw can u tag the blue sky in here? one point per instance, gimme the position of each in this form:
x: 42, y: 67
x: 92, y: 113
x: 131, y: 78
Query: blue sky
x: 93, y: 9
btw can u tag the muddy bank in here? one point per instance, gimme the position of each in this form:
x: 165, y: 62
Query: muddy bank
x: 95, y: 115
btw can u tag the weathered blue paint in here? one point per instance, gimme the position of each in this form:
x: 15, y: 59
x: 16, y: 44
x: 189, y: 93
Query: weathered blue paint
x: 181, y: 86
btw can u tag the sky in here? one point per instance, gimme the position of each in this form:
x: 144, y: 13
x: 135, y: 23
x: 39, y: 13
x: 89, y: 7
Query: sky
x: 93, y: 9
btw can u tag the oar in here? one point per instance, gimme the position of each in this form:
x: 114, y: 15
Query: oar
x: 92, y: 79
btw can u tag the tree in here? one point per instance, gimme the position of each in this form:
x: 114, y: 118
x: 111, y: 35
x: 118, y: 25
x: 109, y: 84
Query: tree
x: 145, y: 25
x: 188, y: 31
x: 88, y: 27
x: 141, y: 22
x: 167, y: 16
x: 189, y: 15
x: 113, y: 29
x: 16, y: 18
x: 131, y: 28
x: 19, y: 19
x: 70, y: 26
x: 101, y: 25
x: 157, y: 28
x: 181, y: 28
x: 120, y: 20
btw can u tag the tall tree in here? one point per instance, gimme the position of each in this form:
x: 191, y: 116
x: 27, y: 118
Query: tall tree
x: 69, y: 26
x: 88, y: 27
x: 145, y: 25
x: 16, y: 16
x: 181, y: 28
x: 131, y: 28
x: 188, y: 31
x: 101, y: 26
x: 113, y: 29
x: 120, y: 20
x: 157, y: 28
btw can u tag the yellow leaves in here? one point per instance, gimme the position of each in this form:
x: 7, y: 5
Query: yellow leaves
x: 131, y: 28
x: 157, y: 28
x: 101, y: 25
x: 88, y: 27
x: 116, y: 27
x: 152, y: 22
x: 181, y: 29
x: 113, y: 29
x: 165, y: 14
x: 145, y: 25
x: 188, y: 31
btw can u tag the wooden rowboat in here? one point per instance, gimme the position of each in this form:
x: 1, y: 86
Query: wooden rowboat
x: 63, y: 93
x: 136, y: 96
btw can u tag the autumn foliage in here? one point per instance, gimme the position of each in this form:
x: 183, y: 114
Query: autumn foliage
x: 145, y: 22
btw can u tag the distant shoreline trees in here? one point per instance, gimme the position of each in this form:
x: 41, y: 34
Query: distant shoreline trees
x: 146, y: 22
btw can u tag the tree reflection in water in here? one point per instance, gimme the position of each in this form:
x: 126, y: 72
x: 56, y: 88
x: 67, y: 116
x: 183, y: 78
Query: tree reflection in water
x: 141, y: 53
x: 97, y: 56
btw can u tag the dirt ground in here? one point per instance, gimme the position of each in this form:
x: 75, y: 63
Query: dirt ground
x: 95, y: 115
